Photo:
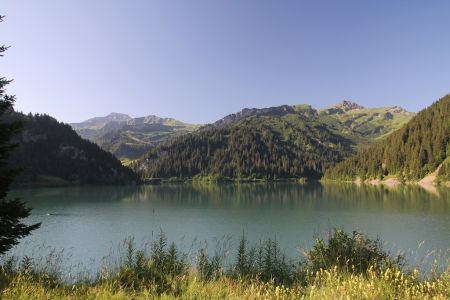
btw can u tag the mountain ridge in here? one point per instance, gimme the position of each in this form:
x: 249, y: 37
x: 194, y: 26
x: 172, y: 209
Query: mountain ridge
x: 123, y: 119
x: 51, y: 153
x: 127, y: 137
x: 287, y: 141
x: 419, y: 148
x: 130, y: 138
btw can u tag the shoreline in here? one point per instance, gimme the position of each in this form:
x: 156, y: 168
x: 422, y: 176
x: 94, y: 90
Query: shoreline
x: 156, y: 181
x: 393, y: 183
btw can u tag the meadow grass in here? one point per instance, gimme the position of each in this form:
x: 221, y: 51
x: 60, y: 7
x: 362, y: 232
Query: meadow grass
x: 341, y: 266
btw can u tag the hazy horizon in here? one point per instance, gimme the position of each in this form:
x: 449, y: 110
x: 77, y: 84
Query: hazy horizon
x: 198, y: 61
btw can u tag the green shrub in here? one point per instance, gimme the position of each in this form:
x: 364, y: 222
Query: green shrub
x: 159, y: 269
x: 209, y: 268
x: 354, y: 252
x: 264, y: 261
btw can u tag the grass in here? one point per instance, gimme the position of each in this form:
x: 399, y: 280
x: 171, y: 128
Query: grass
x: 340, y: 266
x: 368, y: 119
x: 327, y: 284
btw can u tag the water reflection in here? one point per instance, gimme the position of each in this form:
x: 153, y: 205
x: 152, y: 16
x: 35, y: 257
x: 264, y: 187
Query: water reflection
x: 285, y: 195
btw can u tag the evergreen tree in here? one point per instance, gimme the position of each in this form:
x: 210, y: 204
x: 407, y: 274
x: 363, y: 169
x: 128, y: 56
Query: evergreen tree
x: 11, y: 210
x: 52, y: 153
x: 410, y: 153
x: 265, y: 147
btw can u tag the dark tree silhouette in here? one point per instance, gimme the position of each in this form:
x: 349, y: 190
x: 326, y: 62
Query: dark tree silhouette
x: 12, y: 211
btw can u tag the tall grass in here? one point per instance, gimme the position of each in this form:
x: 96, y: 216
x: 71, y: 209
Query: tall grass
x: 339, y: 266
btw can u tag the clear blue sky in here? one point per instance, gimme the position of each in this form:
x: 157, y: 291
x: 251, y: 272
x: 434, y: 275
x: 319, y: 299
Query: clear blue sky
x: 199, y: 60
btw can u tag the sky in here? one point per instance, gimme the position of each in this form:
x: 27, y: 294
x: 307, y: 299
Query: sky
x: 198, y: 61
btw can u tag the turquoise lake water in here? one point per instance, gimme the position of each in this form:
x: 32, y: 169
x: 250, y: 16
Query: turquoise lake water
x: 89, y: 223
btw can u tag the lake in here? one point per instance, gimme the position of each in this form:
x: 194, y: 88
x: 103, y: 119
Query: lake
x: 90, y: 222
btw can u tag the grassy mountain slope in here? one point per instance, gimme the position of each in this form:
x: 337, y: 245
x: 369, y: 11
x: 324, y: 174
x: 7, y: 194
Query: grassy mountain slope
x: 52, y: 153
x: 130, y: 138
x: 269, y: 143
x: 409, y: 153
x: 132, y: 141
x: 373, y: 123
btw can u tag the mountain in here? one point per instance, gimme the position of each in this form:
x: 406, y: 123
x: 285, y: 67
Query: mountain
x: 92, y: 128
x: 100, y: 122
x: 52, y: 153
x: 419, y: 148
x: 261, y: 147
x: 270, y: 111
x: 253, y: 112
x: 343, y: 107
x: 270, y: 143
x: 129, y: 138
x: 372, y: 123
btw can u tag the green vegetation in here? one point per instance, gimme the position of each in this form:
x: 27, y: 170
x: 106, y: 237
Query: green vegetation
x: 12, y: 211
x: 372, y: 123
x: 263, y: 147
x: 444, y: 172
x: 354, y: 270
x: 342, y: 250
x: 130, y: 138
x: 285, y: 142
x: 410, y: 153
x: 52, y: 154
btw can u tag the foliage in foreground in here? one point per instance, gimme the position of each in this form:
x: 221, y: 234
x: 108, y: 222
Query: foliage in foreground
x: 258, y: 272
x: 325, y: 284
x: 12, y: 211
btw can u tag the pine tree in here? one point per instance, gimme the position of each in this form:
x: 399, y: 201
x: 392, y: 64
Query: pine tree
x: 410, y: 153
x: 11, y: 210
x: 242, y: 262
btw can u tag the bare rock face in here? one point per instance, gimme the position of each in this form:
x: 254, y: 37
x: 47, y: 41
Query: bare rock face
x: 388, y: 116
x: 346, y: 106
x: 343, y: 107
x: 397, y: 110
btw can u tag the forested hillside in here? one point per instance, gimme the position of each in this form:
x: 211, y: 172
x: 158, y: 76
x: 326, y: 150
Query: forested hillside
x: 130, y: 138
x: 409, y: 153
x: 51, y: 153
x: 261, y: 147
x: 271, y: 143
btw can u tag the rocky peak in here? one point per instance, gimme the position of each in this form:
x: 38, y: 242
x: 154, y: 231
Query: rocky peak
x: 117, y: 117
x: 347, y: 105
x: 342, y: 107
x: 151, y: 119
x: 397, y: 110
